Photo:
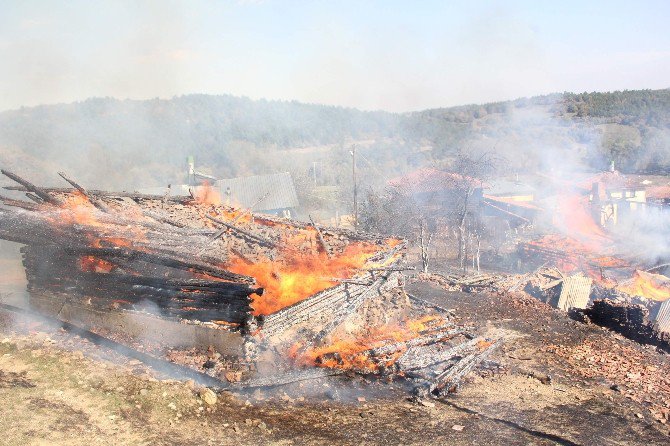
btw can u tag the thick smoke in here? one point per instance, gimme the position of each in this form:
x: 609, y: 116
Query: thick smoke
x: 540, y: 147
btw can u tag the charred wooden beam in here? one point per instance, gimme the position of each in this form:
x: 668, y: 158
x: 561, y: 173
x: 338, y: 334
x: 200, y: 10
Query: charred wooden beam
x: 34, y: 198
x: 419, y: 357
x: 95, y: 202
x: 108, y: 194
x: 429, y: 305
x: 317, y: 306
x: 325, y: 246
x: 164, y: 219
x: 20, y: 204
x: 246, y: 234
x: 165, y: 260
x: 395, y: 347
x: 350, y: 306
x: 450, y: 377
x: 392, y: 268
x: 30, y: 187
x: 352, y: 281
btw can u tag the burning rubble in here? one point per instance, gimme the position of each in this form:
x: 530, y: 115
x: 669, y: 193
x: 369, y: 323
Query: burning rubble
x: 300, y: 299
x: 580, y: 267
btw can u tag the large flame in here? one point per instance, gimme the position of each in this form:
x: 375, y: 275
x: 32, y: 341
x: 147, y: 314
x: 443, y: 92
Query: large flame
x: 352, y: 352
x: 573, y: 217
x: 651, y: 286
x: 77, y: 209
x: 298, y: 275
x: 572, y: 255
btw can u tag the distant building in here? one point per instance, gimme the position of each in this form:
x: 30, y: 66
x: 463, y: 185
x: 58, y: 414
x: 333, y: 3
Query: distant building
x: 513, y: 201
x: 434, y: 189
x: 510, y: 191
x: 658, y: 196
x: 613, y: 197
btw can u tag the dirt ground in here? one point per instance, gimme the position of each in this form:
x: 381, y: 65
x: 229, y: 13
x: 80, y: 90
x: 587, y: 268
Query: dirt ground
x: 59, y: 389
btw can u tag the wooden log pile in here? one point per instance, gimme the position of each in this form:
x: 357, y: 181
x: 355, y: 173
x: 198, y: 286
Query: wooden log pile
x: 128, y: 251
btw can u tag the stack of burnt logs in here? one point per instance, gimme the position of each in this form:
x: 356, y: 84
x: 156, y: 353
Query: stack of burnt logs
x: 107, y: 256
x: 122, y: 283
x: 435, y: 361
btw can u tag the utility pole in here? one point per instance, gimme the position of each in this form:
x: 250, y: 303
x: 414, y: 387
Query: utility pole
x: 353, y: 166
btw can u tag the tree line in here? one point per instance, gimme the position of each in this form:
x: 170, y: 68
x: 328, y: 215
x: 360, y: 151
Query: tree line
x: 131, y: 144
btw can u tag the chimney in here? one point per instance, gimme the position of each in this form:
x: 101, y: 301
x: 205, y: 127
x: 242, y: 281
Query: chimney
x: 595, y: 192
x: 191, y: 170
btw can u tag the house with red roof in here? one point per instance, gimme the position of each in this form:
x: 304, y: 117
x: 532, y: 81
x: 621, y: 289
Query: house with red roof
x: 439, y: 191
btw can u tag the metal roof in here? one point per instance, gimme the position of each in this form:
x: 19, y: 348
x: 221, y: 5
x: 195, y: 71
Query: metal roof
x: 263, y: 192
x: 575, y: 292
x: 509, y: 188
x: 663, y: 317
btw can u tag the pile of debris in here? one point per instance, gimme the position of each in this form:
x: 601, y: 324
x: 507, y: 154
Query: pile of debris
x: 272, y: 291
x: 628, y: 371
x: 547, y: 284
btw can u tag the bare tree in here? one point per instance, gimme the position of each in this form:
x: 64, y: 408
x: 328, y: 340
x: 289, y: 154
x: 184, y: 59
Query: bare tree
x: 469, y: 174
x: 424, y: 242
x: 444, y: 200
x: 389, y: 212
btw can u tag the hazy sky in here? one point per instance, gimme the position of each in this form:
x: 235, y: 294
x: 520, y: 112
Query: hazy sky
x: 369, y: 54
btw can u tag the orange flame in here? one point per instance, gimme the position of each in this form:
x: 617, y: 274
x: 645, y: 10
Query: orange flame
x: 650, y: 286
x: 298, y: 276
x: 77, y: 209
x: 92, y: 264
x: 206, y: 194
x: 352, y: 352
x: 572, y: 216
x: 576, y: 255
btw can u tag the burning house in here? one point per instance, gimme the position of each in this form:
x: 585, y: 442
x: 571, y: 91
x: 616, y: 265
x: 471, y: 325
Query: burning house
x: 613, y: 197
x: 585, y: 243
x: 307, y: 300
